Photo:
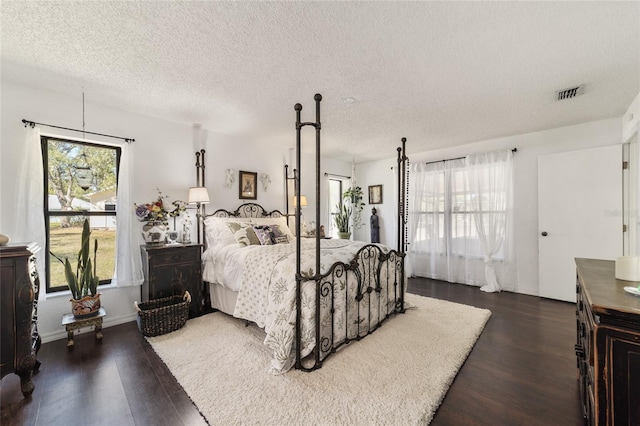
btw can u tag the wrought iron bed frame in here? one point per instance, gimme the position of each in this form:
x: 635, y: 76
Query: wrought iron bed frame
x: 367, y: 263
x: 366, y: 266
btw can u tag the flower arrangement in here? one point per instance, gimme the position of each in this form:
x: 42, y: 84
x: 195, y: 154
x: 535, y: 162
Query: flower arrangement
x: 156, y: 211
x: 179, y: 207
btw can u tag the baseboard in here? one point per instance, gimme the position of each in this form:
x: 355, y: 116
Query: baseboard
x: 527, y: 291
x: 107, y: 322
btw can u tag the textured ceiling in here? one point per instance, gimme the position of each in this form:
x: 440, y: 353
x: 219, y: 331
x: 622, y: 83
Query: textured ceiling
x: 438, y: 73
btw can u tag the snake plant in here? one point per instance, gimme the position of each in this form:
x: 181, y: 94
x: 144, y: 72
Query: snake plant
x: 84, y: 282
x: 342, y: 218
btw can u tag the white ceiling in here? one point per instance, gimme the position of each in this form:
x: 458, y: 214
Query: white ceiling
x: 438, y: 73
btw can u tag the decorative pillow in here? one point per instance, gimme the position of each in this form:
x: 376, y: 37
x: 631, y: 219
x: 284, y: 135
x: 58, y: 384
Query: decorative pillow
x: 263, y: 232
x: 280, y: 221
x: 243, y: 233
x: 218, y: 233
x: 277, y: 235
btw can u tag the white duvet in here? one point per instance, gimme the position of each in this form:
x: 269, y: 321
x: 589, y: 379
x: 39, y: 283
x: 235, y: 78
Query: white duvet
x: 264, y: 277
x: 224, y: 264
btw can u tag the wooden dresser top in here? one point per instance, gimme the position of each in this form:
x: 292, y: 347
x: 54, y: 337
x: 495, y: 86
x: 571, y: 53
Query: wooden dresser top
x: 604, y: 292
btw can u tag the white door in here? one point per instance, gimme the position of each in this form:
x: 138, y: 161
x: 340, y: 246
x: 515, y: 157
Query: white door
x: 579, y: 214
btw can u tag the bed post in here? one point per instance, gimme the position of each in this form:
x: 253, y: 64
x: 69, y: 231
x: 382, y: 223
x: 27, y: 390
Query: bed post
x: 298, y: 108
x: 318, y: 98
x: 365, y: 267
x: 286, y: 192
x: 399, y: 206
x: 317, y: 271
x: 316, y: 277
x: 402, y: 216
x: 200, y: 207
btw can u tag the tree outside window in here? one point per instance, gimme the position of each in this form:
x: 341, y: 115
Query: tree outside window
x: 70, y: 199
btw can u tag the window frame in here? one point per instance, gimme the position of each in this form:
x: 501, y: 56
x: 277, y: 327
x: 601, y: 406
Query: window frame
x: 44, y: 145
x: 332, y: 213
x: 448, y: 212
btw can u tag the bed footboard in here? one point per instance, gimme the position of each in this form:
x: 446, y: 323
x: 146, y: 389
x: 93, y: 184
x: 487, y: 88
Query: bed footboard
x: 352, y: 301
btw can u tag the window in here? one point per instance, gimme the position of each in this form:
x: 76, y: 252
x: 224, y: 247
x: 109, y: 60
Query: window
x: 80, y: 181
x: 335, y: 202
x: 450, y: 210
x: 461, y: 220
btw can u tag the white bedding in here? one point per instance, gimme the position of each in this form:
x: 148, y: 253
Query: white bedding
x: 224, y: 265
x: 264, y: 278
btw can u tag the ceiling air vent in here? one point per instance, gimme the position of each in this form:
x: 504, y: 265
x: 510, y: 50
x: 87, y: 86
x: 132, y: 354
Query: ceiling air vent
x: 569, y: 93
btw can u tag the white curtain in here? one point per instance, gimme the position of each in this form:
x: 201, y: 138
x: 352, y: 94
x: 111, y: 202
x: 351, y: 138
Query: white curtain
x: 460, y: 220
x: 30, y: 224
x: 128, y: 260
x: 423, y: 228
x: 490, y: 181
x: 29, y: 209
x: 437, y: 245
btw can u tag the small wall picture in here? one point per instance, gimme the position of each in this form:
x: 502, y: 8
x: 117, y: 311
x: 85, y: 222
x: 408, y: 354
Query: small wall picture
x: 247, y: 186
x: 375, y: 194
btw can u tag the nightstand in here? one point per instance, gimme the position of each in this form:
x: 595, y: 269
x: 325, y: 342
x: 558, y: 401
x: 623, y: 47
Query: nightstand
x: 170, y: 270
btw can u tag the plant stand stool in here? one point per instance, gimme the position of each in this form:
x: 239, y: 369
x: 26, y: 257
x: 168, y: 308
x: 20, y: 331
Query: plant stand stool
x: 72, y: 323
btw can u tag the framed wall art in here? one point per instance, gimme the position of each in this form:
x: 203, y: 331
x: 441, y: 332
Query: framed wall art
x: 248, y: 189
x: 375, y: 194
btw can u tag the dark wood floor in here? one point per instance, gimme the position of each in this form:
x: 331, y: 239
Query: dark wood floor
x: 522, y: 371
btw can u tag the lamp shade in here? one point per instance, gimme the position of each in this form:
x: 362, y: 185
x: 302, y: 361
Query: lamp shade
x: 198, y: 194
x: 303, y: 201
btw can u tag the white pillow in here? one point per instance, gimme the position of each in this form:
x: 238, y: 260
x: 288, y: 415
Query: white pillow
x: 244, y: 234
x: 280, y: 221
x: 218, y: 233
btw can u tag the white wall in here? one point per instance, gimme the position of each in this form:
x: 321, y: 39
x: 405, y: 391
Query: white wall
x: 631, y: 119
x: 630, y: 134
x: 383, y: 173
x: 163, y: 156
x: 308, y: 182
x: 530, y: 146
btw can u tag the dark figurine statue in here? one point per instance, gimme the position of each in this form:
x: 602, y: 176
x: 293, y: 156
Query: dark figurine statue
x: 375, y: 226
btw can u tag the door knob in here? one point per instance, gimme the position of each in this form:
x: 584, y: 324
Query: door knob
x: 544, y: 233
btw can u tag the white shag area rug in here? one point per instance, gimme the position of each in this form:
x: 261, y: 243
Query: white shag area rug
x: 399, y: 375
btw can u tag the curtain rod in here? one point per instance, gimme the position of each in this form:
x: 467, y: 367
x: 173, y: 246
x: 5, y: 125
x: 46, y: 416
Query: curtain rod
x: 457, y: 158
x: 33, y: 124
x: 341, y: 176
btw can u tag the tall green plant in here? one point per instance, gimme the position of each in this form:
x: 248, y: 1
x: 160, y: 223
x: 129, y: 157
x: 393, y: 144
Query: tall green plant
x: 84, y: 281
x: 342, y: 218
x: 353, y: 197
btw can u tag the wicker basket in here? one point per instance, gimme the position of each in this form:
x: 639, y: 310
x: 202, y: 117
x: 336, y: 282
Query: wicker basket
x: 161, y: 316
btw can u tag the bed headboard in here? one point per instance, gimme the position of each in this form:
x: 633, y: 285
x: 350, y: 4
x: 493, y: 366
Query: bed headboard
x: 247, y: 210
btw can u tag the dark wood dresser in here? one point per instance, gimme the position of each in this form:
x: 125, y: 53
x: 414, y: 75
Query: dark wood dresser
x: 19, y: 287
x: 170, y: 270
x: 608, y: 345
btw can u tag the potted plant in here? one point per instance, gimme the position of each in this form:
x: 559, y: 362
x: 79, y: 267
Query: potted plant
x: 342, y: 221
x: 353, y: 197
x: 84, y: 282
